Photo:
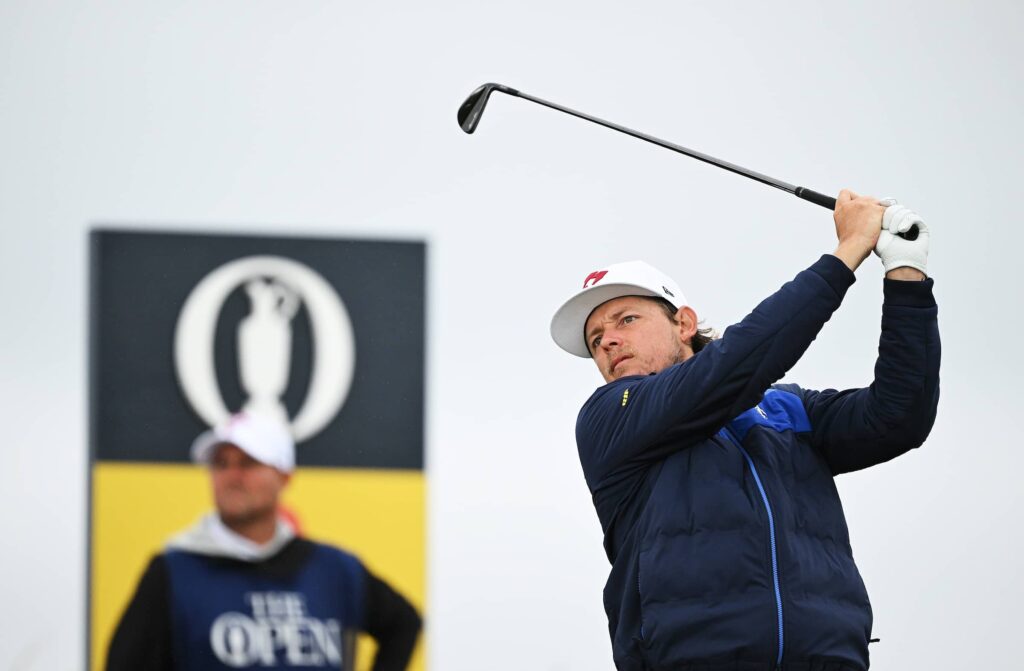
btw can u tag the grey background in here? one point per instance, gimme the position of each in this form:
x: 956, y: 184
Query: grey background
x: 332, y: 118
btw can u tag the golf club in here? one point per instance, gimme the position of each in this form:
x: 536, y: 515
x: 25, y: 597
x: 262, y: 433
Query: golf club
x: 473, y: 108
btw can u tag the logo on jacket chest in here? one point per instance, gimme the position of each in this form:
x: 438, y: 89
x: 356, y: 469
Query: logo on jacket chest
x: 278, y: 631
x: 778, y: 411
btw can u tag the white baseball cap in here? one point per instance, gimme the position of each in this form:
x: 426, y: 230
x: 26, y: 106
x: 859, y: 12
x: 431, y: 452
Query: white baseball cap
x: 262, y: 438
x: 632, y: 278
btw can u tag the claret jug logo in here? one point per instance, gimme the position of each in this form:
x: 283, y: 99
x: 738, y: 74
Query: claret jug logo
x: 276, y: 287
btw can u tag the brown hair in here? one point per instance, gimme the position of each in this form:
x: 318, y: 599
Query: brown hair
x: 700, y: 339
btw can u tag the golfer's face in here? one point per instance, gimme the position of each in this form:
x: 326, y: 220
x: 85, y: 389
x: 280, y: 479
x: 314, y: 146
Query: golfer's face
x: 244, y: 489
x: 632, y: 336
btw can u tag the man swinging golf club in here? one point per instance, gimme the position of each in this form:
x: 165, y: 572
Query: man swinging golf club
x: 714, y: 485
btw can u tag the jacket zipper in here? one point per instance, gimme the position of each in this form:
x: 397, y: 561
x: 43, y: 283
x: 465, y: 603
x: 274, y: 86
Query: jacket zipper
x: 771, y: 530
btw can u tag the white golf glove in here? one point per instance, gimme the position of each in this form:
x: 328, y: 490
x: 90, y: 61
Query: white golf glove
x: 897, y: 252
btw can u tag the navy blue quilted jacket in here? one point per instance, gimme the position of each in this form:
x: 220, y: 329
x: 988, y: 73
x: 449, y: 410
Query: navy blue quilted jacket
x: 715, y: 489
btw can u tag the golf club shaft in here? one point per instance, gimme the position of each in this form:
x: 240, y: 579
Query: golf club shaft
x: 807, y: 194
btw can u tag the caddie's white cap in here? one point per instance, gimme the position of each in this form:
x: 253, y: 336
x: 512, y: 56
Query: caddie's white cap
x: 265, y: 440
x: 632, y: 278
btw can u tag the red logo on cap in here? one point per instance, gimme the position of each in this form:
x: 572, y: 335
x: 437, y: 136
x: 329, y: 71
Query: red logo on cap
x: 594, y: 277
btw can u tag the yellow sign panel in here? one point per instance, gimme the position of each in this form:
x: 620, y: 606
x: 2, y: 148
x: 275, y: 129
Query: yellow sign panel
x: 378, y: 515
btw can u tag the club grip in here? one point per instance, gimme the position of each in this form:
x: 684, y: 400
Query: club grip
x: 816, y: 198
x: 830, y: 203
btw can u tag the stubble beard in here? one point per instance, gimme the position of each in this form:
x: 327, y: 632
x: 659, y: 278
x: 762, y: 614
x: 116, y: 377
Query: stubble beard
x: 677, y: 356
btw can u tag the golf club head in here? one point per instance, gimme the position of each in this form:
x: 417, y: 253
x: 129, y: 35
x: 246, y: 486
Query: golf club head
x: 472, y: 108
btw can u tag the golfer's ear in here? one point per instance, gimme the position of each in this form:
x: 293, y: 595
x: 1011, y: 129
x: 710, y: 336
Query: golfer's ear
x: 687, y: 320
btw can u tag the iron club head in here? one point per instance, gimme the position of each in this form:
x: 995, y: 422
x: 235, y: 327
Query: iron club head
x: 472, y: 108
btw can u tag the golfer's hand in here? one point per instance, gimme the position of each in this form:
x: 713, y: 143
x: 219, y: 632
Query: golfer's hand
x: 903, y: 259
x: 858, y: 226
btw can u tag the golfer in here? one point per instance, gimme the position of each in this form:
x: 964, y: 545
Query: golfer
x: 714, y: 485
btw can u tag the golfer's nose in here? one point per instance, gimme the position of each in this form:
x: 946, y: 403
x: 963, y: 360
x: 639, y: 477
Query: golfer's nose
x: 610, y: 339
